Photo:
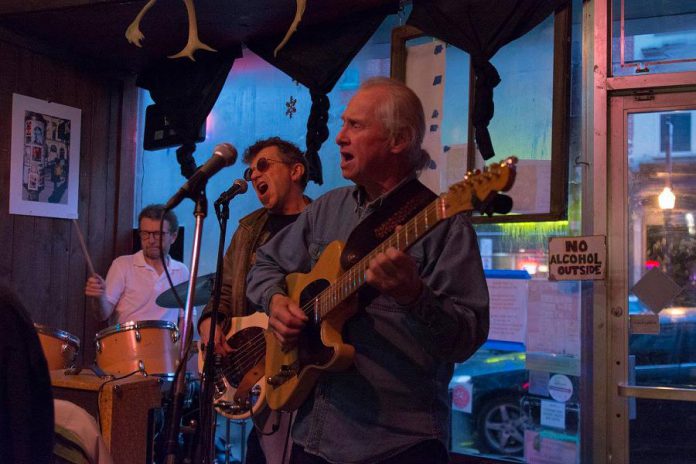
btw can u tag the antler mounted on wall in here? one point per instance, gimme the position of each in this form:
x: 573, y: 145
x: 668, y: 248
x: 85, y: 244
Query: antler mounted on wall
x: 299, y: 11
x: 135, y: 36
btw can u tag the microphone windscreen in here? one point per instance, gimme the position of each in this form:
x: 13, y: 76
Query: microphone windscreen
x: 227, y: 151
x: 242, y: 184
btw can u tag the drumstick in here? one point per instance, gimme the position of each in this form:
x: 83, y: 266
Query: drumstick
x: 84, y: 248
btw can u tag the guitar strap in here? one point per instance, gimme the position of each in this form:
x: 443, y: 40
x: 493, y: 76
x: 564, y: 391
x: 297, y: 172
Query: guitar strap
x: 396, y: 209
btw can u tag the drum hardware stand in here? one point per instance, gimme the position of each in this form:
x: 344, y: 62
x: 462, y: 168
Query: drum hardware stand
x: 75, y: 370
x: 228, y: 440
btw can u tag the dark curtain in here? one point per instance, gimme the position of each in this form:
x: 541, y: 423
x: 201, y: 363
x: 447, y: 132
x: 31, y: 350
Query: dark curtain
x: 187, y: 91
x: 316, y: 57
x: 481, y: 28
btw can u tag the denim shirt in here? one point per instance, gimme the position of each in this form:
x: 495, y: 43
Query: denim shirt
x: 395, y: 395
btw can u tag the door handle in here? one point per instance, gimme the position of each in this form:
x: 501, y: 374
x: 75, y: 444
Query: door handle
x: 657, y: 393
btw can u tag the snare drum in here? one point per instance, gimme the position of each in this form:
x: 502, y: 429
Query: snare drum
x: 148, y: 346
x: 59, y: 346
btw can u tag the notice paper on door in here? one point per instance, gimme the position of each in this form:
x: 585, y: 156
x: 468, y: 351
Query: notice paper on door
x: 508, y: 309
x: 553, y: 317
x: 553, y: 414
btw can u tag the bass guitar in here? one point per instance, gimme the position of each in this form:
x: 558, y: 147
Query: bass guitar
x: 327, y: 294
x: 239, y: 383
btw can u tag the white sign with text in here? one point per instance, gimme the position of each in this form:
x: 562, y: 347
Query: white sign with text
x: 577, y: 258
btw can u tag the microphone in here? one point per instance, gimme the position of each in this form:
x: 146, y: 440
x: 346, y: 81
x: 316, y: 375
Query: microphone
x: 224, y: 155
x: 238, y: 187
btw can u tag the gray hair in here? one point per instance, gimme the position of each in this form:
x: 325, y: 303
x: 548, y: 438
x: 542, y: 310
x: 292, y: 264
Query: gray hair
x: 157, y: 212
x: 402, y: 115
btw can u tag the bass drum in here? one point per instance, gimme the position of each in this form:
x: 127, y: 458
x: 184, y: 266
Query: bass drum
x: 59, y: 346
x: 150, y: 347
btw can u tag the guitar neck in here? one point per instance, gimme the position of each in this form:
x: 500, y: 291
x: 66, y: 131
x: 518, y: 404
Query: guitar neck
x: 402, y: 239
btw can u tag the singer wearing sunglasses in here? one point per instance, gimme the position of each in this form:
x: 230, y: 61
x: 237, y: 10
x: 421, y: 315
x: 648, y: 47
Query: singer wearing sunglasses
x: 278, y: 172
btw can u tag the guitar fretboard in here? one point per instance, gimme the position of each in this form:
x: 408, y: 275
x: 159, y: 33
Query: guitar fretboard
x: 402, y: 239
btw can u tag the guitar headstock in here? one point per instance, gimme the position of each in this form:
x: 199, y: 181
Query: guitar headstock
x: 480, y: 187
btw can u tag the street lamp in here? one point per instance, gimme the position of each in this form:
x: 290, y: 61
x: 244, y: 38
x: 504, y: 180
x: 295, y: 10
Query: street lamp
x: 666, y: 198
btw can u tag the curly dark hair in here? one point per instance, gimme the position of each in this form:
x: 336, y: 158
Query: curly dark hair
x: 290, y: 153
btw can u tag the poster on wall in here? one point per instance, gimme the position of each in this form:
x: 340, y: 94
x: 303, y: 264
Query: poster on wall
x: 45, y: 158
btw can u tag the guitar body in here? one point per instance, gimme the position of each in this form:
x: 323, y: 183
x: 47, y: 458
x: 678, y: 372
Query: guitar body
x: 239, y: 381
x: 291, y: 375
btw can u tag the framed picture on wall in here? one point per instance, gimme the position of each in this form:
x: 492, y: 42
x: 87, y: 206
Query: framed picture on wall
x: 45, y: 158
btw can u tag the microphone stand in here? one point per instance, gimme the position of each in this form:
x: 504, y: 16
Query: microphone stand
x: 178, y: 388
x: 205, y: 452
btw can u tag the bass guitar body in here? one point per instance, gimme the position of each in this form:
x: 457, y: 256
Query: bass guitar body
x: 239, y: 381
x: 291, y: 374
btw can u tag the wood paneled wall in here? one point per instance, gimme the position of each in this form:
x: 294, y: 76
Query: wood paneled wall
x: 41, y: 257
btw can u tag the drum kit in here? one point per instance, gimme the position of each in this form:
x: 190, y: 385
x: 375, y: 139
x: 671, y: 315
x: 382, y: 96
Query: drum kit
x: 149, y: 347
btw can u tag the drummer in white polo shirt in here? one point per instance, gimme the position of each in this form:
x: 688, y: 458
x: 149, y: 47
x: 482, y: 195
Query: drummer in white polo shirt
x: 134, y: 282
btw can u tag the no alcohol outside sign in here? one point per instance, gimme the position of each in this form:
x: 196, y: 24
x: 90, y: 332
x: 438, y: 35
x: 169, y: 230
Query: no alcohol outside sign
x: 577, y: 258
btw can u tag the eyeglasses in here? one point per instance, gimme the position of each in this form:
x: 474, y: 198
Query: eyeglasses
x: 145, y: 234
x: 262, y: 165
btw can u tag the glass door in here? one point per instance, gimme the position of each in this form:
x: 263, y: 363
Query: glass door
x: 652, y: 283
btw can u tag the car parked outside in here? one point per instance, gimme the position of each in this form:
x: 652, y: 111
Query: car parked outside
x: 486, y: 392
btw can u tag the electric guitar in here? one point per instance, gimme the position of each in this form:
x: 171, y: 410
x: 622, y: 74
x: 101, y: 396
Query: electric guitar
x: 239, y: 383
x: 328, y: 293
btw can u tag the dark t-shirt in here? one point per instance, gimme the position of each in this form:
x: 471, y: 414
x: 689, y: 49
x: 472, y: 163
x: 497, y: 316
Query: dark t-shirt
x: 276, y: 222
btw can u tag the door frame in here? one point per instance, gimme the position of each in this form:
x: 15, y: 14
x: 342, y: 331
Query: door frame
x: 618, y: 389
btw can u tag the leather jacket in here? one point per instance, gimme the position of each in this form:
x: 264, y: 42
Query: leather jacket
x: 239, y: 258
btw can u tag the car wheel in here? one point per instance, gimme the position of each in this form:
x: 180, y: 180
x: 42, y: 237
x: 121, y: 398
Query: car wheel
x: 500, y: 426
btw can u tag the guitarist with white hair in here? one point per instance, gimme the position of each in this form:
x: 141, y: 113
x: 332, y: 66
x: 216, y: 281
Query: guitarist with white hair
x: 389, y: 328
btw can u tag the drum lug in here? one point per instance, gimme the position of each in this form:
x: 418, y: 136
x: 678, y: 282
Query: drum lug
x: 137, y: 335
x: 175, y: 336
x: 99, y: 346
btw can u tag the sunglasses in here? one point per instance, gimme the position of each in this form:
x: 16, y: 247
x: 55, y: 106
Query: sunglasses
x: 262, y: 165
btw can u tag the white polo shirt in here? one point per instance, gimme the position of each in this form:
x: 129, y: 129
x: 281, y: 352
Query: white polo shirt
x: 132, y: 286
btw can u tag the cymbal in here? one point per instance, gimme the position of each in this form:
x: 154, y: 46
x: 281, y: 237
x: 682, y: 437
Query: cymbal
x: 204, y: 289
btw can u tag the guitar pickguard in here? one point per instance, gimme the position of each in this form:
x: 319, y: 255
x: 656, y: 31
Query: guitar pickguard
x: 311, y: 350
